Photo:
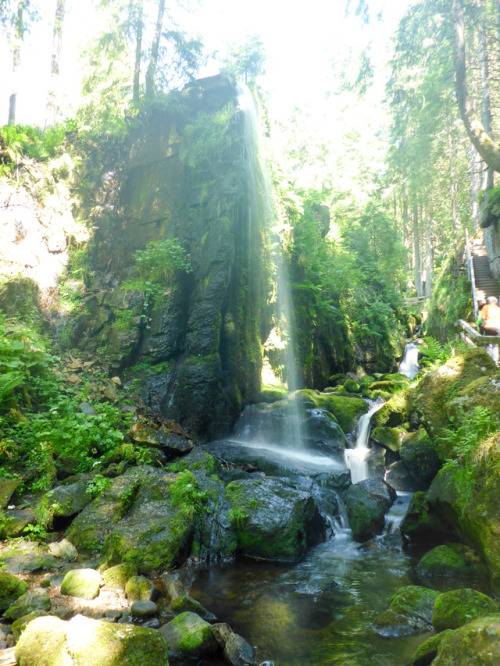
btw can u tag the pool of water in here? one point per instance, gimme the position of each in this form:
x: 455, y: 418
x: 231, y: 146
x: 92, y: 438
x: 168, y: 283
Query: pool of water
x: 318, y: 612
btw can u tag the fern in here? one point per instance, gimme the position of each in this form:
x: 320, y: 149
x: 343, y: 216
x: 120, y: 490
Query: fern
x: 8, y: 382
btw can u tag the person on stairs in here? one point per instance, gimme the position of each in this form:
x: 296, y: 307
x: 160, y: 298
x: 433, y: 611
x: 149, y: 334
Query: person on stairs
x: 489, y: 321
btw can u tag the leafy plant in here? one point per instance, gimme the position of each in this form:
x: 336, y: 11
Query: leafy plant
x: 187, y: 495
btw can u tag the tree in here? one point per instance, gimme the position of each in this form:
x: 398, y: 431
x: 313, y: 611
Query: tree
x: 57, y: 34
x: 20, y: 20
x: 155, y: 49
x: 246, y: 61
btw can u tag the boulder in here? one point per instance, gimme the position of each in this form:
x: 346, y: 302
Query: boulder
x: 83, y: 583
x: 140, y: 588
x: 398, y: 477
x: 409, y: 612
x: 15, y: 520
x: 477, y: 642
x: 49, y: 641
x: 189, y: 635
x: 389, y: 438
x: 63, y: 550
x: 117, y: 577
x: 422, y: 524
x: 184, y: 603
x: 427, y: 650
x: 27, y: 557
x: 178, y: 583
x: 11, y: 588
x: 32, y: 600
x: 395, y: 412
x: 367, y: 502
x: 172, y: 444
x: 443, y: 562
x: 142, y: 609
x: 19, y: 625
x: 7, y: 488
x: 238, y: 651
x: 273, y: 520
x: 420, y: 457
x: 64, y: 501
x: 457, y: 607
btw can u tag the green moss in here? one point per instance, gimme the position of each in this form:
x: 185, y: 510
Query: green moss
x: 457, y: 607
x: 11, y: 588
x: 426, y: 652
x: 442, y: 561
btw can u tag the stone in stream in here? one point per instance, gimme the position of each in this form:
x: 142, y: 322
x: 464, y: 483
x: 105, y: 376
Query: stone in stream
x: 140, y: 588
x: 427, y: 650
x: 237, y: 650
x: 457, y: 607
x: 367, y: 502
x: 117, y: 577
x: 143, y: 609
x: 189, y: 635
x: 444, y: 562
x: 420, y: 457
x: 49, y: 641
x: 409, y: 612
x: 83, y: 583
x: 32, y: 600
x: 476, y: 642
x: 11, y: 588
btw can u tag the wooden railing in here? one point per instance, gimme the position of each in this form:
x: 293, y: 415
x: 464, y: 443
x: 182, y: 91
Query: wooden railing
x: 473, y: 338
x: 413, y: 300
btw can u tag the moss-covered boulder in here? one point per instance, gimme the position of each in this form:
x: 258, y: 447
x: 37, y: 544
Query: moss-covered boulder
x: 395, y: 412
x: 351, y: 386
x: 409, y: 612
x: 32, y: 600
x: 272, y: 519
x: 189, y: 635
x: 346, y: 410
x: 389, y: 438
x: 457, y: 607
x: 49, y: 641
x: 444, y: 562
x: 367, y: 502
x: 19, y: 625
x: 118, y: 576
x: 420, y: 457
x: 422, y: 524
x: 7, y: 488
x: 82, y: 583
x: 140, y: 588
x: 477, y: 642
x: 185, y: 603
x: 427, y: 650
x: 11, y: 588
x: 64, y: 501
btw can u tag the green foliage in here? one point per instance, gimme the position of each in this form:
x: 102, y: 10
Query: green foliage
x: 206, y: 138
x: 246, y: 61
x: 98, y: 485
x: 158, y: 261
x: 435, y: 354
x: 33, y: 142
x: 187, y: 495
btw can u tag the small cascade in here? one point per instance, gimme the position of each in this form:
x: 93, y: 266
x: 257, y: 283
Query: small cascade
x: 409, y: 362
x: 356, y: 459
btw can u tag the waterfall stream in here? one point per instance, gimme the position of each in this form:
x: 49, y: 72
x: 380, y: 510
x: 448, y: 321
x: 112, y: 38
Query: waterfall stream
x: 357, y: 458
x: 409, y: 362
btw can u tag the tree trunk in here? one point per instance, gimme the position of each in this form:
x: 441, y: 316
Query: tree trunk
x: 155, y: 48
x: 52, y: 106
x: 416, y: 249
x: 16, y: 56
x: 484, y: 144
x: 453, y: 192
x: 475, y: 169
x: 487, y: 180
x: 429, y: 254
x: 138, y: 53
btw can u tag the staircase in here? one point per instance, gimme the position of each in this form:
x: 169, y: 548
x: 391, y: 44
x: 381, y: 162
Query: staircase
x: 486, y: 284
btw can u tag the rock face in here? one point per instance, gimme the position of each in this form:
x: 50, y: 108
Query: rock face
x: 49, y: 641
x: 192, y: 176
x: 367, y: 502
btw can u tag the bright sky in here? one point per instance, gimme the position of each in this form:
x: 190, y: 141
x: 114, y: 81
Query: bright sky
x: 301, y: 41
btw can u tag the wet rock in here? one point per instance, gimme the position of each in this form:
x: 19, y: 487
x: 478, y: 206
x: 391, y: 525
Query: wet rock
x: 189, y: 635
x: 171, y: 443
x: 395, y: 412
x: 443, y: 562
x: 399, y: 477
x: 117, y: 577
x: 422, y: 524
x: 65, y: 501
x: 11, y: 588
x: 32, y: 600
x: 178, y: 583
x: 238, y: 651
x: 427, y: 650
x: 185, y: 603
x: 367, y: 502
x: 457, y: 607
x: 272, y: 520
x: 420, y: 457
x: 140, y: 588
x: 477, y: 642
x: 52, y: 641
x: 83, y: 583
x: 410, y: 612
x: 389, y: 438
x: 142, y: 609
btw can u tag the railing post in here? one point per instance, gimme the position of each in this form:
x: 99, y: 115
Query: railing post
x: 470, y: 272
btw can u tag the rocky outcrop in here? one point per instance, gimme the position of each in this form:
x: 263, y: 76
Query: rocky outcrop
x: 367, y: 502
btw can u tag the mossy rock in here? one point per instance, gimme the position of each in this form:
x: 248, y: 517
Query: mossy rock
x: 427, y: 651
x: 444, y: 562
x: 11, y: 588
x: 422, y: 524
x: 19, y: 625
x: 82, y: 583
x: 7, y: 488
x: 457, y: 607
x: 32, y: 600
x: 420, y: 457
x: 49, y: 641
x: 477, y: 642
x: 351, y: 386
x: 189, y: 635
x: 367, y: 502
x: 395, y: 412
x: 186, y: 603
x: 410, y: 612
x: 346, y: 410
x: 389, y: 438
x: 140, y: 588
x: 396, y: 377
x: 116, y: 577
x: 388, y: 387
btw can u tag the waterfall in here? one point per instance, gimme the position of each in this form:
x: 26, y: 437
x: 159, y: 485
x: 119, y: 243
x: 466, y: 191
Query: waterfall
x: 356, y: 459
x: 409, y: 362
x: 261, y: 202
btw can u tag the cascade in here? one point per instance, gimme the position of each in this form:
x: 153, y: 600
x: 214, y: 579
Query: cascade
x: 409, y: 362
x: 356, y: 459
x: 261, y: 202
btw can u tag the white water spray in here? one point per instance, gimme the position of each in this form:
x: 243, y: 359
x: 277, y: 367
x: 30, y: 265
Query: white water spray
x: 409, y: 362
x: 356, y: 459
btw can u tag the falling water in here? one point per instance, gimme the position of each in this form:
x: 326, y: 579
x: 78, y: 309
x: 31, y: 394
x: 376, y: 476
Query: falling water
x: 409, y: 362
x: 261, y: 203
x: 356, y: 459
